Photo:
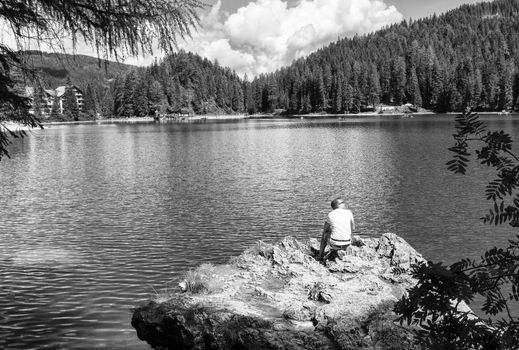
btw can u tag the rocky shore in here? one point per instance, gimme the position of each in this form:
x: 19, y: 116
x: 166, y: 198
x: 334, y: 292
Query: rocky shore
x: 277, y: 296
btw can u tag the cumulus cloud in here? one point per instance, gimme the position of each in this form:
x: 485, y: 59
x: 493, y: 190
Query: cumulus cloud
x: 268, y: 34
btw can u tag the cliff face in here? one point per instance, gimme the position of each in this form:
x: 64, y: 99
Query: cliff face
x: 277, y: 296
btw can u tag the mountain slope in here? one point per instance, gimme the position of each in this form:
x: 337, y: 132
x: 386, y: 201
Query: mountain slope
x: 55, y: 68
x: 466, y: 57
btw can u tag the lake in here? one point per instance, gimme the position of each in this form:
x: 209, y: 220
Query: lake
x: 97, y: 217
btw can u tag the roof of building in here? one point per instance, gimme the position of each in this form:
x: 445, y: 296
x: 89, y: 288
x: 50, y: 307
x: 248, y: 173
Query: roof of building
x: 50, y: 92
x: 58, y: 92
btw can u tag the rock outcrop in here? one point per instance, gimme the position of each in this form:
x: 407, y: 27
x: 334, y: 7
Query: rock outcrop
x: 277, y: 296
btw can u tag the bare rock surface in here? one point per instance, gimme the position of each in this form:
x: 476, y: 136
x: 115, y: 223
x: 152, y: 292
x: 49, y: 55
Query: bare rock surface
x: 277, y: 296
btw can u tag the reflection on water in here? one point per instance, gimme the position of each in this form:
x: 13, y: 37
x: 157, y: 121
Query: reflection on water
x: 44, y: 256
x: 94, y: 217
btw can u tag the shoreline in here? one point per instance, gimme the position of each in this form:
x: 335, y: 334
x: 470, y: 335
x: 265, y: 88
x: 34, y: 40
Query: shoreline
x: 213, y: 117
x: 149, y: 119
x: 16, y: 127
x: 368, y: 114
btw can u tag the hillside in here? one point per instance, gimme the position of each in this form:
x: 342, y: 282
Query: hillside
x: 94, y: 77
x: 56, y: 68
x: 465, y: 57
x: 184, y: 82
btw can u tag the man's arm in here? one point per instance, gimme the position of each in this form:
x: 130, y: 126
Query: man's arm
x: 324, y: 239
x: 352, y: 224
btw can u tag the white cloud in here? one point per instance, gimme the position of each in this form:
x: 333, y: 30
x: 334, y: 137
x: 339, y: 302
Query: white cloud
x: 268, y: 34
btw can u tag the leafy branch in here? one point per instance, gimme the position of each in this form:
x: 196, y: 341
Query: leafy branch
x: 435, y: 303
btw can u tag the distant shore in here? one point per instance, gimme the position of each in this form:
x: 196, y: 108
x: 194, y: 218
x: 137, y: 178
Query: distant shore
x: 365, y: 114
x: 18, y: 127
x: 345, y: 115
x: 15, y: 127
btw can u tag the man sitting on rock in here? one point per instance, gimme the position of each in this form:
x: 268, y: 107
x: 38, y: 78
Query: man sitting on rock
x: 337, y: 230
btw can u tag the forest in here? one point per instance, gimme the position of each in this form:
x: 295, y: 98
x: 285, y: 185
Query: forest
x: 467, y: 57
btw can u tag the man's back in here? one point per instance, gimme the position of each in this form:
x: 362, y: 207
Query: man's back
x: 340, y: 221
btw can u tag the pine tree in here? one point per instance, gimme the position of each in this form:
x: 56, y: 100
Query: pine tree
x: 237, y: 97
x: 220, y: 92
x: 155, y: 95
x: 337, y: 88
x: 130, y: 83
x: 355, y: 78
x: 70, y: 106
x: 293, y: 105
x: 89, y: 103
x: 174, y: 94
x: 436, y: 87
x: 55, y: 113
x: 118, y: 97
x: 140, y: 99
x: 373, y: 88
x: 506, y: 85
x: 414, y: 95
x: 321, y: 102
x: 306, y: 104
x: 39, y: 105
x: 398, y: 81
x: 248, y: 101
x: 347, y: 100
x: 107, y: 104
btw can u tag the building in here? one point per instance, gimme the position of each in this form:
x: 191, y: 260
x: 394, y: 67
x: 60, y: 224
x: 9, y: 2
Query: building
x: 49, y: 95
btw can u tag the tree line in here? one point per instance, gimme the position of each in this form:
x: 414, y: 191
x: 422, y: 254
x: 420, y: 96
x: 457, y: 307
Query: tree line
x: 468, y: 57
x: 182, y: 82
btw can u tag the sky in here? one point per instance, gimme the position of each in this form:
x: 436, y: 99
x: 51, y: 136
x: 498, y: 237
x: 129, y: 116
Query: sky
x: 409, y: 8
x: 260, y: 36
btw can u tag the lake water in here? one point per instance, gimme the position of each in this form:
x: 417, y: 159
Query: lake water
x: 94, y: 218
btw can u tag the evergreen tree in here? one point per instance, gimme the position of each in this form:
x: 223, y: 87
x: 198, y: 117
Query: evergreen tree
x: 174, y: 93
x: 321, y: 101
x: 140, y: 98
x: 107, y: 104
x: 295, y: 90
x: 248, y: 102
x: 414, y: 95
x: 39, y: 106
x: 347, y: 100
x: 130, y: 83
x: 373, y: 88
x: 237, y: 98
x: 89, y: 103
x: 220, y: 92
x: 338, y: 94
x: 118, y: 97
x: 506, y: 87
x: 55, y: 112
x: 155, y: 95
x: 70, y: 106
x: 306, y: 104
x: 398, y: 81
